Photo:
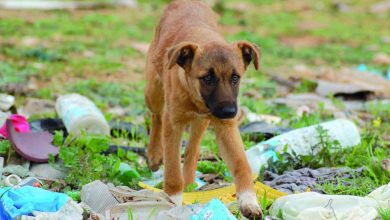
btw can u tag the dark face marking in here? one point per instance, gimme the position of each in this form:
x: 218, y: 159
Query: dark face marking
x: 219, y: 91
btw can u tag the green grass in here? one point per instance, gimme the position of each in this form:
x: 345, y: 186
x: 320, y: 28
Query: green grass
x: 384, y: 213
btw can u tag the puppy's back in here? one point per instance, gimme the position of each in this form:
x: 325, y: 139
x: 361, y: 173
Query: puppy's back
x: 183, y: 20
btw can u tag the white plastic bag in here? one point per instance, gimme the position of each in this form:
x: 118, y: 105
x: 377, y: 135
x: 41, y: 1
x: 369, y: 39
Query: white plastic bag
x: 316, y: 206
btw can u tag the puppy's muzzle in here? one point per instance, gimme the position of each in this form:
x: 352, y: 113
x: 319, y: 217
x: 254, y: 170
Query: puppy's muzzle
x: 225, y: 110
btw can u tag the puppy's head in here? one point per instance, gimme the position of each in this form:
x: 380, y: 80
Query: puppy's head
x: 213, y: 72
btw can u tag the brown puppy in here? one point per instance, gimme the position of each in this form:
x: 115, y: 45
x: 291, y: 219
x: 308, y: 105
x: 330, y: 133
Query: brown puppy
x: 193, y: 78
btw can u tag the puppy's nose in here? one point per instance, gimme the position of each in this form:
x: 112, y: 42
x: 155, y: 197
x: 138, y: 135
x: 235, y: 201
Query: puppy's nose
x: 229, y: 111
x: 225, y: 112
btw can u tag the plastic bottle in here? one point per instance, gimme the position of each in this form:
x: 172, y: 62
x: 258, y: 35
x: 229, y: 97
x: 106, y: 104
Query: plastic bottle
x: 79, y: 113
x: 301, y: 141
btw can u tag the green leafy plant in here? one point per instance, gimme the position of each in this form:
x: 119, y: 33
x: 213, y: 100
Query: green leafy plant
x: 216, y: 167
x: 384, y: 213
x: 324, y: 154
x: 191, y: 187
x: 83, y: 157
x: 4, y: 147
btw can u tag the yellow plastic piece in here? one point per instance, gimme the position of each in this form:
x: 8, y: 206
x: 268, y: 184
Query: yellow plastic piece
x: 225, y: 194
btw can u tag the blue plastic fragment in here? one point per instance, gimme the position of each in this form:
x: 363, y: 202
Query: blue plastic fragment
x: 25, y: 200
x: 364, y: 68
x: 214, y: 210
x: 388, y: 73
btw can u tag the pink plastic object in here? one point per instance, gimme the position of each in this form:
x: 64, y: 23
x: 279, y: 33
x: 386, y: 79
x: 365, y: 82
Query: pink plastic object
x: 19, y: 123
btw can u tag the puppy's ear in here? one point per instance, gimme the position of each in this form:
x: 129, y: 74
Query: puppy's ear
x: 182, y: 54
x: 249, y: 52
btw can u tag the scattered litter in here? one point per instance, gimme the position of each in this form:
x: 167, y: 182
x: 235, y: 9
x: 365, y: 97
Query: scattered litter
x: 179, y: 212
x: 311, y: 205
x: 214, y: 210
x: 114, y: 149
x: 367, y: 81
x: 301, y: 140
x: 225, y: 194
x: 127, y: 173
x: 79, y: 113
x: 1, y: 168
x: 141, y: 47
x: 252, y: 117
x: 385, y: 164
x: 310, y: 100
x: 57, y: 5
x: 382, y: 59
x: 35, y: 147
x: 388, y: 73
x: 18, y: 122
x: 344, y: 90
x: 380, y: 7
x: 47, y: 171
x: 25, y: 200
x: 3, y: 118
x: 143, y: 204
x: 12, y: 180
x: 16, y: 182
x: 6, y: 102
x: 158, y: 176
x: 298, y: 181
x: 364, y: 68
x: 18, y: 170
x: 98, y: 202
x: 267, y: 130
x: 49, y: 124
x: 70, y: 211
x: 35, y: 107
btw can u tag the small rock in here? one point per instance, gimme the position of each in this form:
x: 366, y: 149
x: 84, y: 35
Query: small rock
x: 88, y: 53
x: 380, y: 7
x: 17, y: 170
x: 209, y: 177
x: 385, y: 164
x: 47, y: 171
x: 38, y: 107
x: 382, y: 58
x: 342, y: 7
x: 140, y: 47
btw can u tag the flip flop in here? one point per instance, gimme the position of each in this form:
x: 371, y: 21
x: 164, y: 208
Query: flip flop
x: 35, y: 146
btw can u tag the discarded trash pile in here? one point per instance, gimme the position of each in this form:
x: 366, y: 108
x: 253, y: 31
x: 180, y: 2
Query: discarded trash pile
x: 307, y: 179
x: 68, y: 168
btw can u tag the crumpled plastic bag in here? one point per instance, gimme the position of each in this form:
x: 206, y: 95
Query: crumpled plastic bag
x: 70, y: 211
x: 312, y: 205
x: 25, y: 200
x: 214, y: 210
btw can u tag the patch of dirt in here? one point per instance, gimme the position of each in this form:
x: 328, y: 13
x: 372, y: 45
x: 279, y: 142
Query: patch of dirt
x: 302, y: 41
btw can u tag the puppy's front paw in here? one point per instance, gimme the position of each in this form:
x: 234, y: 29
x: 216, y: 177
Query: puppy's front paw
x: 154, y: 162
x: 249, y: 206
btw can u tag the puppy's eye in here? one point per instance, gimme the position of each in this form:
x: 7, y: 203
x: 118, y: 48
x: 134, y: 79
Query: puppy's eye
x: 235, y: 79
x: 209, y: 79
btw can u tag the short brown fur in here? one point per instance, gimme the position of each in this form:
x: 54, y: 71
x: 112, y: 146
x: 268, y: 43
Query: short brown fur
x: 193, y: 80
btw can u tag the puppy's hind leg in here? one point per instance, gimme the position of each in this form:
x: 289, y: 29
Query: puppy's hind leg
x: 191, y: 156
x: 155, y: 148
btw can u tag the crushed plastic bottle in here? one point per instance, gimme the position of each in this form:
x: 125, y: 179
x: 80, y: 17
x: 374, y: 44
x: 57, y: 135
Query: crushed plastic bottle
x: 79, y: 113
x: 301, y: 142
